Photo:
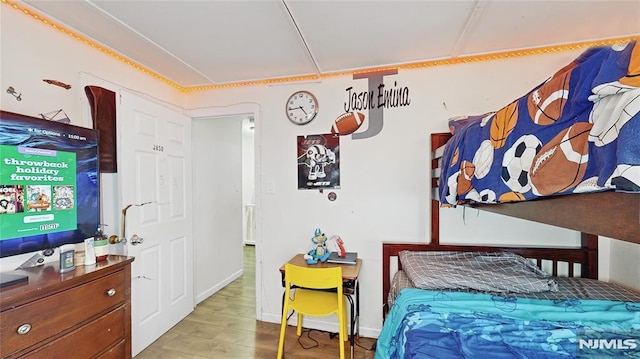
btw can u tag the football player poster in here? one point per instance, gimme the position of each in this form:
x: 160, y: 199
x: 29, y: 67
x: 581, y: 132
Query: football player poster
x: 318, y: 161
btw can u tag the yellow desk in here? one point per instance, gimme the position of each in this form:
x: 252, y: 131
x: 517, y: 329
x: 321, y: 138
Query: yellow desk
x: 351, y: 289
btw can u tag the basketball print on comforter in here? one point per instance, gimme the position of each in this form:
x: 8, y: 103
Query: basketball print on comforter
x: 586, y: 118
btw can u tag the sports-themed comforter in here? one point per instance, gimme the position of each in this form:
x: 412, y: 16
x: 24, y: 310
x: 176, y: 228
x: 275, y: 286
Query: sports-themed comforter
x: 579, y: 131
x: 444, y: 325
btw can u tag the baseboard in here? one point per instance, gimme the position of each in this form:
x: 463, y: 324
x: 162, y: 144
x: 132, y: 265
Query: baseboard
x: 213, y: 290
x: 311, y: 323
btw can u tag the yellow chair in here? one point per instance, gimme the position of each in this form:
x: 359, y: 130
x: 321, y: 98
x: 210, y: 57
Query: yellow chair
x: 309, y: 299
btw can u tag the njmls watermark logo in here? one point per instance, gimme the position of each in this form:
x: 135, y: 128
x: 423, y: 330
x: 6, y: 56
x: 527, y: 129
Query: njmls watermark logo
x: 608, y: 344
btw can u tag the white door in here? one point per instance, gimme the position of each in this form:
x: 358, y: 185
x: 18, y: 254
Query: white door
x: 154, y: 169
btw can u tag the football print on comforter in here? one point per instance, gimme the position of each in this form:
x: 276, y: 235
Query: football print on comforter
x: 576, y: 132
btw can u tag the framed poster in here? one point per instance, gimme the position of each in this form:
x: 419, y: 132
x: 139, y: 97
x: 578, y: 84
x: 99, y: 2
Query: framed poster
x: 318, y: 161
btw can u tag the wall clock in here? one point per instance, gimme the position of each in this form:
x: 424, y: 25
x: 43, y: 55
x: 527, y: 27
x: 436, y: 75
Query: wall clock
x: 301, y: 107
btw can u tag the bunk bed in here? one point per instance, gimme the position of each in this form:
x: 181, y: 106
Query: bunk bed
x: 441, y: 301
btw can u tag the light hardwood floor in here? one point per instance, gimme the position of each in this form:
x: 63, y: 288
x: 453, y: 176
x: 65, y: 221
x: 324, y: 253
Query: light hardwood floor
x: 224, y: 326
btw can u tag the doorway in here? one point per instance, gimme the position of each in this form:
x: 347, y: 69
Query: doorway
x: 217, y: 204
x: 240, y: 176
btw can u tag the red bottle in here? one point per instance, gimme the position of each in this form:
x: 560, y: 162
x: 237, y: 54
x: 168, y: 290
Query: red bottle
x: 101, y: 245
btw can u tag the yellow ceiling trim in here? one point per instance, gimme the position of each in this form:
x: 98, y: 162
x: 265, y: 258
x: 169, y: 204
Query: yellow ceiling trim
x: 91, y: 43
x: 430, y: 63
x: 313, y: 77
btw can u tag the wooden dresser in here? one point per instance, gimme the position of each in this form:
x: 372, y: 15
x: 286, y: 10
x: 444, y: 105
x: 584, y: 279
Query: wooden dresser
x: 85, y: 313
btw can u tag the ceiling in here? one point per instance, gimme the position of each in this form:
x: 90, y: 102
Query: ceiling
x: 196, y: 44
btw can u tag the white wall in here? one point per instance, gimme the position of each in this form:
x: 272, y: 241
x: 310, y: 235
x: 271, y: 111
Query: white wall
x: 248, y: 162
x: 624, y: 265
x: 217, y: 205
x: 31, y: 51
x: 384, y: 194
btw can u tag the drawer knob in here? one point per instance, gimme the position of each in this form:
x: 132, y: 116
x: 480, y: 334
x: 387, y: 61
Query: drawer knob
x: 111, y: 292
x: 24, y: 329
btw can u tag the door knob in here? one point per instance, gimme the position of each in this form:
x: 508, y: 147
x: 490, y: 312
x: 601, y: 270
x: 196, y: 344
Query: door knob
x: 114, y: 239
x: 135, y: 240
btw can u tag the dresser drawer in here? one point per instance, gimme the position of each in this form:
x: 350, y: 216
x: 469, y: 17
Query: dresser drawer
x: 116, y: 352
x: 52, y: 315
x: 87, y: 341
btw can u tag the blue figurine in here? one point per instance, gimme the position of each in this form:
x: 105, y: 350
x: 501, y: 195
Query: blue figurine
x: 319, y: 251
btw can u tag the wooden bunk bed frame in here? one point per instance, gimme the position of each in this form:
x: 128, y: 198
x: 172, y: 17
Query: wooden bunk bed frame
x: 611, y: 214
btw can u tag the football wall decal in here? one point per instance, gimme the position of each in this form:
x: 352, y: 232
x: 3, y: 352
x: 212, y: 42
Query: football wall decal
x: 347, y: 123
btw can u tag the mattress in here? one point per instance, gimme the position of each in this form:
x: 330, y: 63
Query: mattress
x: 428, y: 324
x: 568, y: 288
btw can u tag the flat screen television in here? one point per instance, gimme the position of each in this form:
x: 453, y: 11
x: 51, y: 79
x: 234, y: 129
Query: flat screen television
x: 49, y: 184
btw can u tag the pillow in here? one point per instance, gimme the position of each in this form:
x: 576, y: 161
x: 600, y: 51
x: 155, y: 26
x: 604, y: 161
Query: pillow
x: 495, y: 272
x: 459, y: 122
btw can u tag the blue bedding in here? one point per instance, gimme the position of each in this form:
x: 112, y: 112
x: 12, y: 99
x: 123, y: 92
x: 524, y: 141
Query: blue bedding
x: 576, y: 132
x: 443, y: 325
